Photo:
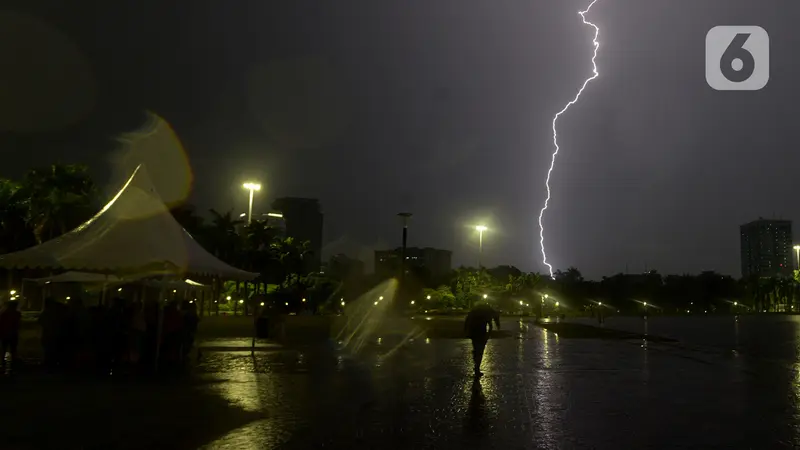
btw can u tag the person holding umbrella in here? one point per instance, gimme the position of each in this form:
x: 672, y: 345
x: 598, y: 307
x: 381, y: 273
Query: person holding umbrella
x: 477, y: 327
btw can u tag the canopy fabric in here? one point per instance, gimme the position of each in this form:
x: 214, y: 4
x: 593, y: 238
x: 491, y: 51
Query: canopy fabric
x: 77, y: 277
x: 175, y: 284
x: 90, y: 277
x: 133, y: 234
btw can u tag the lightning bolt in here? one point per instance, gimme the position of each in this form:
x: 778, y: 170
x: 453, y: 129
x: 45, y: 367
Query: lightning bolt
x: 595, y: 74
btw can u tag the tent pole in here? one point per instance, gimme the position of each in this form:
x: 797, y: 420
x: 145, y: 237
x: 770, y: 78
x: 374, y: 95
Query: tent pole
x: 246, y: 298
x: 217, y: 291
x: 255, y: 329
x: 160, y: 334
x: 103, y: 293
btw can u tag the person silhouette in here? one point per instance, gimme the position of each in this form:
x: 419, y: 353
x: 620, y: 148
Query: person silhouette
x: 477, y: 327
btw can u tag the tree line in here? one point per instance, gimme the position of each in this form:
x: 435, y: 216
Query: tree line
x: 652, y: 293
x: 50, y: 201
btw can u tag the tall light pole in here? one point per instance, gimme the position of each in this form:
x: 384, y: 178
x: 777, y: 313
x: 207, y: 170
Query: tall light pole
x: 481, y: 229
x: 797, y: 255
x: 252, y: 187
x: 404, y: 217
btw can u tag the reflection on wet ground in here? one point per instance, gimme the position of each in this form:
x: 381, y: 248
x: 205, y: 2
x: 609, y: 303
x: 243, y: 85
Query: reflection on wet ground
x: 540, y: 391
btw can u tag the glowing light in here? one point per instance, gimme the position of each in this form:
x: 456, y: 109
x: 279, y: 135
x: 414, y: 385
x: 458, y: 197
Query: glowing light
x: 735, y: 303
x: 557, y: 304
x: 119, y: 290
x: 521, y: 302
x: 595, y: 74
x: 380, y: 298
x: 241, y: 301
x: 481, y: 228
x: 304, y: 300
x: 262, y: 303
x: 485, y: 296
x: 429, y: 297
x: 13, y: 292
x: 376, y: 303
x: 252, y: 186
x: 228, y: 298
x: 412, y: 302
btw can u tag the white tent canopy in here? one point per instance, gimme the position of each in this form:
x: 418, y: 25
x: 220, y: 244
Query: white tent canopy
x: 99, y: 278
x: 133, y: 234
x: 77, y: 277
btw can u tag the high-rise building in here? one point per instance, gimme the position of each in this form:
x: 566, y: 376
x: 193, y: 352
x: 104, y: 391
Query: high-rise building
x: 302, y: 218
x: 766, y: 248
x: 437, y: 262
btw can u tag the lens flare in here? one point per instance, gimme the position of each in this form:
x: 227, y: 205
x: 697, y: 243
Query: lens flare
x: 595, y: 74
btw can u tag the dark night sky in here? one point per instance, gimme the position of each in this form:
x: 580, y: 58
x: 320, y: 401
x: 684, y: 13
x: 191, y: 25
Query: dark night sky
x: 440, y: 108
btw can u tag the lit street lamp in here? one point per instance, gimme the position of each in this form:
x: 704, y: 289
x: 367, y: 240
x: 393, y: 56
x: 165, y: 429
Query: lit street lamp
x: 797, y: 254
x: 481, y: 229
x: 252, y: 187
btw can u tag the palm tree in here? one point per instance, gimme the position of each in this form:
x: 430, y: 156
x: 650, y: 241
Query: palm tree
x: 59, y: 198
x: 223, y: 238
x: 289, y: 254
x: 259, y: 235
x: 187, y: 217
x: 14, y: 231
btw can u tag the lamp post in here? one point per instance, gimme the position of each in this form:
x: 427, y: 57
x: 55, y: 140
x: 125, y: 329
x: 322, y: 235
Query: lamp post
x: 404, y: 216
x: 252, y: 187
x: 541, y: 306
x: 481, y: 229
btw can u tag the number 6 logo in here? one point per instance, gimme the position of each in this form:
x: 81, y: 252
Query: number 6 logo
x: 737, y: 58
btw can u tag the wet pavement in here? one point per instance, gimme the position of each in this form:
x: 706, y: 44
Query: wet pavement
x: 540, y: 391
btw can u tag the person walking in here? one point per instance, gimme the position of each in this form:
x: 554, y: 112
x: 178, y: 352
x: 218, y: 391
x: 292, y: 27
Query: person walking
x: 477, y: 327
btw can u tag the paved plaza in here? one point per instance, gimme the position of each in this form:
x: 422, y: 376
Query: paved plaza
x: 540, y: 391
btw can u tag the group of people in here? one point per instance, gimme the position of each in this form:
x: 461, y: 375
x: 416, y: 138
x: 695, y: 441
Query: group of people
x: 120, y: 335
